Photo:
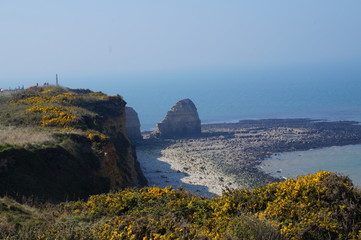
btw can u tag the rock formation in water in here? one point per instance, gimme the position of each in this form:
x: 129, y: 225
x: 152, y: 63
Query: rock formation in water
x: 132, y: 125
x: 182, y: 120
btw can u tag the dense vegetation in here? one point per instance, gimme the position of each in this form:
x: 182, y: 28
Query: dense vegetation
x: 49, y: 106
x: 318, y: 206
x: 34, y: 115
x: 51, y: 140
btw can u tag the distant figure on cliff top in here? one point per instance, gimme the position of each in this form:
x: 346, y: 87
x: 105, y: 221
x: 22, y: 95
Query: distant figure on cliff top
x: 182, y: 120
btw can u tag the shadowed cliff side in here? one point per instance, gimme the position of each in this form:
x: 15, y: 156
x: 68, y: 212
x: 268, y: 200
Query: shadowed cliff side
x: 133, y: 125
x: 87, y: 151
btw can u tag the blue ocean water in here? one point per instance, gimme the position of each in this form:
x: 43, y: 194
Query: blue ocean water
x: 330, y: 93
x: 344, y: 160
x: 318, y: 92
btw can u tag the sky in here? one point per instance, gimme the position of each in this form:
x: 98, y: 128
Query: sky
x: 112, y: 38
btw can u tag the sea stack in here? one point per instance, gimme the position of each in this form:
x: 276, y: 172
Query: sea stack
x: 133, y: 125
x: 182, y: 120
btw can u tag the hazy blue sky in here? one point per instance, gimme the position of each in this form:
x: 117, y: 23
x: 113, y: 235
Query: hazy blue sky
x: 82, y: 38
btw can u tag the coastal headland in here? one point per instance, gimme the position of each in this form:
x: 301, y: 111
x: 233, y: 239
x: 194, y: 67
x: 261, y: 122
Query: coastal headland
x: 227, y: 155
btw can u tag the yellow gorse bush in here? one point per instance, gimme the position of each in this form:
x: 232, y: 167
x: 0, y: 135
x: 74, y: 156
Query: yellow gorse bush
x: 57, y: 107
x: 318, y: 206
x: 43, y: 98
x: 60, y: 96
x: 55, y: 115
x: 48, y: 91
x: 156, y: 213
x: 96, y: 136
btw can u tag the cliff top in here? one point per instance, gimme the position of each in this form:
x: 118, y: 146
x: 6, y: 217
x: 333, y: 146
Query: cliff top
x: 34, y: 114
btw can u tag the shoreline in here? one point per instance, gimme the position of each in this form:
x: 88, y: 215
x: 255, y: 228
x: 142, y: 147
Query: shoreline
x: 343, y: 160
x: 228, y: 155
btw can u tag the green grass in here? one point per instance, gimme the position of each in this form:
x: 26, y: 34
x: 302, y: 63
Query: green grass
x: 31, y: 220
x: 20, y: 126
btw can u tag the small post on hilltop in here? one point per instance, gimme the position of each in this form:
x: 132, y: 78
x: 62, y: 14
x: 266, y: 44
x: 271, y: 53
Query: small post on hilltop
x: 56, y: 78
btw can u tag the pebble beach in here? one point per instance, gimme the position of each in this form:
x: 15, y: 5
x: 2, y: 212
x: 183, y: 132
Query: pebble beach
x: 228, y: 155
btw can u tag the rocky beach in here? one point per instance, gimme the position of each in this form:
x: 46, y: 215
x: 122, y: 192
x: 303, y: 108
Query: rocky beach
x: 227, y: 155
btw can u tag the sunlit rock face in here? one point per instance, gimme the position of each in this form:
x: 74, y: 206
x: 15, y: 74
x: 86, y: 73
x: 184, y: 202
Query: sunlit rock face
x: 133, y: 125
x: 182, y: 120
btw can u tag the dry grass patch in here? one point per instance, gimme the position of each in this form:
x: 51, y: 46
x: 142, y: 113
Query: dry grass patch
x: 23, y: 136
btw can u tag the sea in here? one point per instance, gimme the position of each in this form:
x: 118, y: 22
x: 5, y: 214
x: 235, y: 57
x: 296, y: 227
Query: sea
x: 322, y: 92
x: 344, y: 160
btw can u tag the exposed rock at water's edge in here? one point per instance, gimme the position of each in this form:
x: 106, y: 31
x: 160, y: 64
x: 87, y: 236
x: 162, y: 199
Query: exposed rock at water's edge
x: 182, y: 120
x: 132, y: 125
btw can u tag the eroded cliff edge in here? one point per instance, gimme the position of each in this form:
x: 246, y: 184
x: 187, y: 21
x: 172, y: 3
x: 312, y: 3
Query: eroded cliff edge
x: 88, y: 152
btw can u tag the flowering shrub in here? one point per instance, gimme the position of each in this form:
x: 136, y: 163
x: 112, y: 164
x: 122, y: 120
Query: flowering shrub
x: 56, y: 106
x: 96, y: 137
x: 55, y: 115
x: 64, y: 98
x: 48, y: 91
x: 156, y: 213
x: 54, y: 95
x: 317, y: 206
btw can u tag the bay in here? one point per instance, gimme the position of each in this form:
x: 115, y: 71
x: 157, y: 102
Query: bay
x: 344, y: 160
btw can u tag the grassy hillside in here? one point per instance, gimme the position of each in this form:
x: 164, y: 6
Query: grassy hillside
x: 318, y: 206
x: 58, y: 144
x: 54, y: 107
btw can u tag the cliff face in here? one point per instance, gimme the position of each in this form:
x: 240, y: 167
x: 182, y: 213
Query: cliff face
x: 133, y: 125
x: 119, y: 150
x: 182, y: 120
x: 63, y: 171
x: 89, y: 155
